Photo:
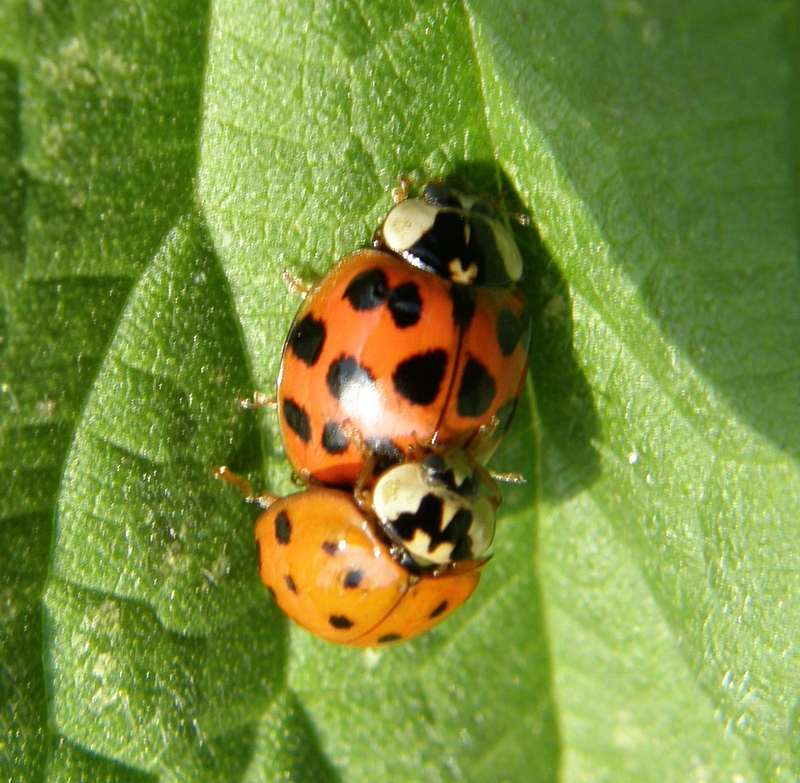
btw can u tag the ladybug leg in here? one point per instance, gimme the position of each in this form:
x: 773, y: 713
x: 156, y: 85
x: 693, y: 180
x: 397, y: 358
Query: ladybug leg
x: 295, y: 284
x: 361, y: 492
x: 500, y: 209
x: 487, y: 478
x: 264, y: 499
x: 460, y: 567
x: 520, y: 219
x: 400, y: 193
x: 258, y: 400
x: 417, y: 450
x: 484, y: 435
x: 354, y: 436
x: 303, y: 479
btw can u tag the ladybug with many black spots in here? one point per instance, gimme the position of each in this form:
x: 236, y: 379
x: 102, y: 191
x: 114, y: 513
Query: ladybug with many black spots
x: 420, y: 341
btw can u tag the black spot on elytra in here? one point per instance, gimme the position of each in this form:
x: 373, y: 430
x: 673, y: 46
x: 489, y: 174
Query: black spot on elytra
x: 283, y: 529
x: 438, y: 610
x: 405, y: 305
x: 509, y: 330
x: 445, y: 240
x: 334, y: 441
x: 340, y: 622
x: 306, y: 339
x: 429, y: 519
x: 353, y: 578
x: 389, y: 637
x: 330, y: 547
x: 419, y: 378
x: 477, y: 390
x: 290, y: 583
x: 297, y: 420
x: 347, y: 375
x: 463, y: 298
x: 367, y: 290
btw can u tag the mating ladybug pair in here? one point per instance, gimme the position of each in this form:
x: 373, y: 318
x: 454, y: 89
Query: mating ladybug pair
x: 400, y: 376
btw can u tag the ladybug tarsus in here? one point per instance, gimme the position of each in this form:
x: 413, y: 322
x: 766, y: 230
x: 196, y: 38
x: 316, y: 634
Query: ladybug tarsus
x: 257, y: 401
x: 263, y: 499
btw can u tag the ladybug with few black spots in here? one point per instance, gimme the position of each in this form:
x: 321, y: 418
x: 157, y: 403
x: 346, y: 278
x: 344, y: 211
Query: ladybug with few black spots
x: 419, y: 341
x: 334, y: 570
x: 380, y: 565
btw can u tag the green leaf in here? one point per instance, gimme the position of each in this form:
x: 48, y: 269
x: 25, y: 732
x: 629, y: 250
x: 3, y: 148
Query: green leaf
x: 162, y: 164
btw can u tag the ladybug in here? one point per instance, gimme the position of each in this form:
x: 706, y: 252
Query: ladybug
x: 415, y: 342
x: 329, y: 570
x: 378, y: 566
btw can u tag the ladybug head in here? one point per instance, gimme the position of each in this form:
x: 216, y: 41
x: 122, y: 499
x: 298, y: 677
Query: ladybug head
x: 454, y: 235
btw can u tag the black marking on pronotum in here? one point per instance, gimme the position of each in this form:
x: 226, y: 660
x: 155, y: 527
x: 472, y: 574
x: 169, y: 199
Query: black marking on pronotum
x: 405, y: 305
x: 297, y: 420
x: 345, y: 374
x: 389, y: 637
x: 419, y: 378
x: 429, y: 519
x: 334, y: 441
x: 438, y: 610
x: 283, y: 529
x: 340, y: 622
x: 330, y: 547
x: 306, y: 339
x: 477, y: 390
x: 437, y: 247
x: 367, y: 290
x: 290, y: 583
x: 353, y: 578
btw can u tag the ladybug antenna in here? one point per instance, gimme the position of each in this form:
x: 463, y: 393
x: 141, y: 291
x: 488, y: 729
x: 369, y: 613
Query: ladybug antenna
x: 508, y: 478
